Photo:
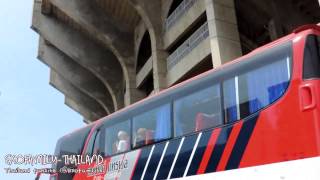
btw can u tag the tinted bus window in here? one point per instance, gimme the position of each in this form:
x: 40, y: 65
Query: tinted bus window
x: 259, y: 86
x: 197, y: 111
x: 117, y: 138
x: 311, y: 64
x: 231, y: 99
x: 96, y: 145
x: 152, y: 126
x: 264, y: 85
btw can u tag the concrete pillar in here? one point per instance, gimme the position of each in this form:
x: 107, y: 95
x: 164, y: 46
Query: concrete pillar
x: 75, y: 74
x: 110, y: 33
x: 224, y: 35
x: 80, y: 98
x: 80, y: 48
x: 132, y: 94
x: 159, y: 59
x: 151, y: 15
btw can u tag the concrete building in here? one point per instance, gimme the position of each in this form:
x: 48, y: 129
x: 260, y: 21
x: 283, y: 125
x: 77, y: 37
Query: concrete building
x: 107, y: 54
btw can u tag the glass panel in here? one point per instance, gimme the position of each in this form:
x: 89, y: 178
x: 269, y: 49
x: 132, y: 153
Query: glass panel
x: 260, y: 84
x: 152, y: 126
x: 89, y: 149
x: 117, y: 138
x: 230, y: 100
x: 311, y: 64
x: 198, y: 111
x: 96, y: 146
x: 264, y: 85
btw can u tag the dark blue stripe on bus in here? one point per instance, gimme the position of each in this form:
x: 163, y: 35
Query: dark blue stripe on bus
x: 184, y: 155
x: 242, y: 142
x: 141, y: 162
x: 154, y: 161
x: 202, y: 145
x: 218, y: 149
x: 168, y: 159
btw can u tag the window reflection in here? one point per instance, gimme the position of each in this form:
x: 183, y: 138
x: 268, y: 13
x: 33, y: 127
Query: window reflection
x: 117, y: 138
x: 198, y: 111
x: 152, y: 126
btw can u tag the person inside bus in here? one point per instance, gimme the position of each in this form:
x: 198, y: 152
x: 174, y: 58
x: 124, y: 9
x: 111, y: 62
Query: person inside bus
x: 123, y: 142
x: 140, y: 139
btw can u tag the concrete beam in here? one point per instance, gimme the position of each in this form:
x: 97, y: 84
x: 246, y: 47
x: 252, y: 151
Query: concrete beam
x: 87, y: 114
x: 80, y: 98
x: 87, y: 121
x: 75, y: 74
x: 87, y: 15
x: 96, y: 23
x: 46, y: 7
x: 80, y: 48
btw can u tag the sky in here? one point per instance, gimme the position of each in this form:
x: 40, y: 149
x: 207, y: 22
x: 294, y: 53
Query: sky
x: 32, y: 113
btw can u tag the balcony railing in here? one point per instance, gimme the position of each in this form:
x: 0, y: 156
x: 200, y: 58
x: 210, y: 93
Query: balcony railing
x: 144, y: 71
x: 178, y: 12
x: 193, y: 41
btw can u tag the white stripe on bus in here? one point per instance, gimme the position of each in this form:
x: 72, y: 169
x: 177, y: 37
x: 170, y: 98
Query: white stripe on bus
x: 146, y: 166
x: 236, y: 79
x: 162, y: 156
x: 192, y: 154
x: 175, y: 158
x: 288, y: 68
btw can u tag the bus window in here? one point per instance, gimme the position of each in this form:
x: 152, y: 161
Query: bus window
x: 89, y: 150
x: 263, y: 89
x: 311, y: 64
x: 261, y: 85
x: 117, y: 138
x: 231, y: 100
x: 197, y: 111
x: 152, y: 126
x: 96, y: 145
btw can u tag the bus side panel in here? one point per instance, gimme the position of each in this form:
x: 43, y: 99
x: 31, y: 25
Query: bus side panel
x: 200, y: 153
x: 317, y: 115
x: 287, y: 130
x: 92, y: 171
x: 116, y: 167
x: 122, y: 166
x: 283, y: 132
x: 312, y: 113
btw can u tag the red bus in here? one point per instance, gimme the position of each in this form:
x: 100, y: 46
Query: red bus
x: 257, y: 117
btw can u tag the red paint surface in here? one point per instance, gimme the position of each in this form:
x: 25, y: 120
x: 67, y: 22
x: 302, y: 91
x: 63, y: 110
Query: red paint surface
x: 229, y: 146
x: 285, y: 131
x: 208, y: 151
